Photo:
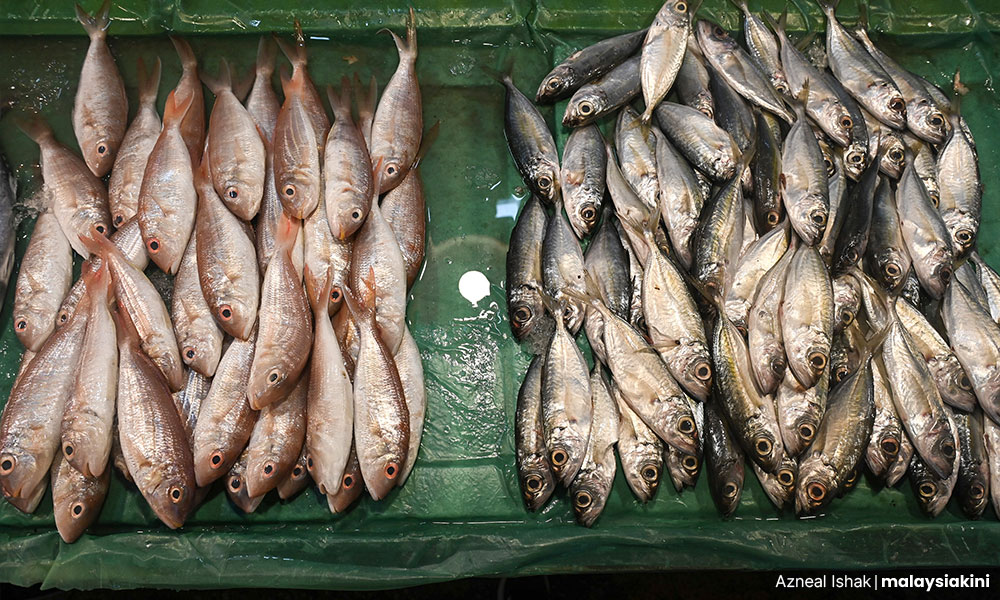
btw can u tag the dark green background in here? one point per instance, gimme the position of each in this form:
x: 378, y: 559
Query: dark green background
x: 460, y: 513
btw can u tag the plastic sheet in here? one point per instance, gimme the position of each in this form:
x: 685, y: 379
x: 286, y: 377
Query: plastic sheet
x: 460, y: 513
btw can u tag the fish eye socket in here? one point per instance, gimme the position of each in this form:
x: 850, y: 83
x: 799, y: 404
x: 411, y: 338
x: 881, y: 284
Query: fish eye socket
x: 153, y: 245
x: 690, y: 463
x: 806, y: 431
x: 730, y: 490
x: 391, y: 470
x: 829, y: 164
x: 927, y: 489
x: 391, y: 169
x: 946, y: 274
x: 21, y: 325
x: 533, y: 483
x: 936, y: 120
x: 269, y: 469
x: 685, y: 425
x: 897, y: 104
x: 892, y: 270
x: 583, y: 500
x: 234, y: 483
x: 935, y: 198
x: 948, y: 449
x: 544, y: 182
x: 356, y: 214
x: 763, y: 447
x: 297, y: 471
x: 289, y: 190
x: 778, y: 365
x: 588, y: 214
x: 189, y: 353
x: 964, y: 236
x: 896, y: 154
x: 976, y: 492
x: 817, y: 360
x: 855, y: 158
x: 586, y: 108
x: 852, y: 255
x: 816, y: 491
x: 226, y: 312
x: 847, y: 316
x: 522, y: 315
x: 77, y: 510
x: 348, y: 482
x: 819, y: 218
x: 217, y: 459
x: 650, y: 473
x: 232, y: 192
x: 720, y: 32
x: 176, y: 494
x: 63, y: 317
x: 274, y: 377
x: 68, y: 450
x: 119, y: 219
x: 846, y: 122
x: 703, y: 371
x: 890, y: 446
x: 840, y: 374
x: 335, y: 294
x: 681, y: 7
x: 7, y: 465
x: 786, y: 477
x: 309, y: 463
x: 559, y: 458
x: 772, y: 217
x: 964, y: 383
x: 100, y: 228
x: 102, y: 149
x: 553, y: 83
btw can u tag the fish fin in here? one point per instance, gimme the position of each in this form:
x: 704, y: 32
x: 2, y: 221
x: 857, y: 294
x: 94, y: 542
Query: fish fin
x: 862, y: 26
x: 407, y: 49
x: 96, y: 243
x: 319, y: 302
x: 36, y: 128
x: 376, y: 178
x: 829, y: 6
x: 98, y: 281
x: 242, y: 87
x: 776, y: 26
x: 740, y: 4
x: 295, y: 54
x: 149, y: 82
x: 366, y: 106
x: 174, y: 111
x: 341, y: 103
x: 368, y: 299
x: 503, y: 75
x: 426, y: 142
x: 286, y: 80
x: 960, y: 90
x: 807, y: 39
x: 355, y: 307
x: 96, y: 24
x: 783, y: 19
x: 221, y: 82
x: 288, y: 230
x: 188, y: 60
x: 267, y: 51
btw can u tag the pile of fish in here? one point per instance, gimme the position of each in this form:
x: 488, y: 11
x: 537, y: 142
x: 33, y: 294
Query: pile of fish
x: 269, y: 220
x: 780, y: 271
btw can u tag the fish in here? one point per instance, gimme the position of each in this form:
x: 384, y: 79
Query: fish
x: 226, y: 262
x: 32, y: 416
x: 285, y: 328
x: 529, y: 322
x: 377, y: 254
x: 852, y: 239
x: 276, y: 441
x: 925, y: 162
x: 888, y: 435
x: 226, y: 418
x: 975, y: 339
x: 140, y: 137
x: 683, y: 468
x: 563, y: 269
x: 845, y: 353
x: 405, y: 211
x: 587, y: 64
x: 764, y: 49
x: 76, y: 498
x: 692, y: 80
x: 640, y: 450
x: 708, y: 147
x: 839, y: 442
x: 100, y: 107
x: 856, y: 154
x: 533, y: 467
x: 779, y: 487
x: 738, y: 69
x: 268, y: 218
x: 607, y: 261
x: 719, y: 237
x: 891, y: 149
x: 192, y: 122
x: 236, y: 487
x: 604, y: 95
x: 974, y: 471
x: 90, y: 408
x: 932, y: 491
x: 584, y: 168
x: 297, y: 143
x: 309, y: 99
x: 768, y: 209
x: 680, y: 197
x: 807, y: 313
x: 764, y: 329
x: 925, y: 234
x: 724, y: 460
x: 8, y: 196
x: 198, y: 335
x: 330, y: 402
x: 262, y: 103
x: 846, y: 301
x: 43, y: 279
x: 886, y: 256
x: 351, y: 487
x: 153, y: 441
x: 298, y: 479
x: 411, y: 375
x: 381, y: 417
x: 168, y: 200
x: 756, y: 261
x: 188, y: 401
x: 800, y: 410
x: 326, y: 256
x: 803, y: 182
x: 960, y: 187
x: 399, y: 123
x: 78, y: 199
x: 236, y: 150
x: 138, y: 297
x: 732, y: 112
x: 662, y: 52
x: 592, y: 484
x: 991, y: 436
x: 636, y: 148
x: 628, y: 207
x: 347, y: 168
x: 822, y: 103
x: 531, y: 143
x: 860, y: 73
x: 990, y: 282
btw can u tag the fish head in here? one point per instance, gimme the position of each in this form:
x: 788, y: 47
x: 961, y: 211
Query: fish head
x: 211, y: 463
x: 172, y: 499
x: 164, y: 247
x: 837, y: 122
x: 19, y: 472
x: 536, y: 481
x: 584, y: 106
x: 846, y: 301
x: 388, y: 467
x: 890, y: 103
x: 892, y: 156
x: 299, y: 190
x: 974, y: 493
x: 585, y: 213
x: 589, y: 493
x: 943, y: 448
x: 927, y: 121
x: 932, y: 493
x: 201, y: 353
x: 557, y: 84
x: 99, y: 149
x: 816, y: 486
x: 544, y: 179
x: 728, y: 487
x: 811, y: 215
x: 393, y: 169
x: 855, y: 160
x: 763, y: 446
x: 712, y: 38
x: 963, y: 228
x: 937, y: 269
x: 350, y: 490
x: 567, y: 450
x: 348, y: 217
x: 528, y: 319
x: 645, y: 478
x: 32, y: 328
x: 75, y: 512
x: 680, y: 421
x: 769, y: 365
x: 780, y: 487
x: 780, y: 84
x: 884, y: 447
x: 696, y: 366
x: 724, y: 161
x: 952, y: 381
x: 891, y: 265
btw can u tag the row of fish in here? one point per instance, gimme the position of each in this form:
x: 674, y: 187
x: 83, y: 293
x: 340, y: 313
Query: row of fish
x: 268, y: 218
x: 784, y: 274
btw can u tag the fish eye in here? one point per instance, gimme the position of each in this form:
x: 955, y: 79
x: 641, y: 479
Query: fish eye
x: 153, y: 245
x: 100, y: 228
x: 588, y: 214
x: 335, y: 294
x: 21, y: 324
x: 703, y: 371
x: 718, y: 31
x: 807, y: 431
x: 816, y: 491
x: 897, y: 104
x: 778, y: 364
x: 268, y: 469
x: 852, y: 255
x: 77, y: 510
x: 289, y: 190
x: 232, y: 192
x: 176, y: 494
x: 841, y: 373
x: 102, y: 149
x: 896, y: 155
x: 772, y: 217
x: 948, y: 449
x: 846, y: 122
x: 681, y: 7
x: 690, y: 463
x: 309, y: 463
x: 847, y: 316
x: 763, y: 446
x: 348, y: 482
x: 852, y: 478
x: 935, y: 198
x: 226, y: 312
x: 68, y: 450
x: 297, y: 472
x: 217, y: 459
x: 7, y: 465
x: 730, y: 490
x: 817, y: 360
x: 964, y: 383
x: 685, y: 425
x: 63, y: 316
x: 976, y: 492
x: 781, y: 87
x: 119, y: 219
x: 522, y: 315
x: 890, y: 446
x: 356, y: 214
x: 583, y: 499
x: 819, y: 218
x: 391, y: 169
x: 533, y: 483
x: 936, y: 120
x: 391, y: 470
x: 275, y: 376
x: 586, y: 108
x: 553, y: 83
x: 964, y: 236
x: 892, y: 270
x: 829, y: 165
x: 786, y: 477
x: 650, y: 473
x: 544, y: 182
x: 189, y: 353
x: 946, y: 274
x: 559, y: 457
x: 855, y: 158
x: 234, y: 483
x: 927, y: 490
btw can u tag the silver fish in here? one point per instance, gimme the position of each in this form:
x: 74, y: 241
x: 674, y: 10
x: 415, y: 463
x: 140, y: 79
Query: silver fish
x: 533, y: 467
x: 680, y: 197
x: 662, y: 52
x: 724, y: 461
x: 531, y: 143
x: 43, y: 279
x: 563, y: 268
x: 764, y: 332
x: 592, y: 484
x: 955, y: 386
x: 130, y: 162
x: 198, y: 336
x: 76, y: 499
x: 583, y: 175
x: 925, y: 234
x: 588, y: 64
x: 885, y: 444
x: 607, y: 261
x: 708, y: 147
x: 528, y: 319
x: 604, y: 95
x: 764, y: 48
x: 960, y: 188
x: 636, y: 148
x: 692, y: 81
x: 640, y: 450
x: 804, y: 182
x: 807, y: 313
x: 975, y: 338
x: 759, y: 257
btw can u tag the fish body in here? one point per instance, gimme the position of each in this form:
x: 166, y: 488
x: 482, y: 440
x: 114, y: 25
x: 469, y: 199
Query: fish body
x: 587, y: 64
x: 533, y: 466
x: 43, y: 280
x: 140, y: 137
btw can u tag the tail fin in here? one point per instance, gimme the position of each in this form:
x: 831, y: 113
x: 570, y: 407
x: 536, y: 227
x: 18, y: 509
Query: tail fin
x: 408, y: 49
x: 829, y: 7
x: 295, y: 54
x: 777, y: 26
x: 242, y: 87
x: 341, y: 103
x: 221, y: 82
x: 320, y: 302
x: 149, y: 82
x: 188, y: 60
x: 36, y: 128
x: 366, y: 106
x: 740, y: 4
x: 96, y: 25
x: 426, y: 142
x: 288, y: 230
x: 362, y: 308
x: 174, y: 111
x: 267, y: 50
x: 98, y: 282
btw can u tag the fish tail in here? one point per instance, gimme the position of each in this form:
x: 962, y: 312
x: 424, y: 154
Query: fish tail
x: 98, y: 281
x: 96, y: 24
x: 175, y: 110
x: 829, y: 6
x: 960, y: 90
x: 267, y: 50
x: 426, y: 142
x: 149, y: 82
x: 777, y: 26
x: 407, y: 49
x: 242, y: 87
x: 295, y: 54
x: 740, y: 4
x: 188, y: 60
x: 221, y: 82
x: 288, y: 230
x: 319, y: 302
x: 366, y: 105
x: 36, y: 128
x: 340, y: 103
x: 503, y: 75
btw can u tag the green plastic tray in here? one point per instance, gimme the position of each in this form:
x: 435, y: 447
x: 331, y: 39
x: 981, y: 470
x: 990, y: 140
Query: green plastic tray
x: 460, y: 513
